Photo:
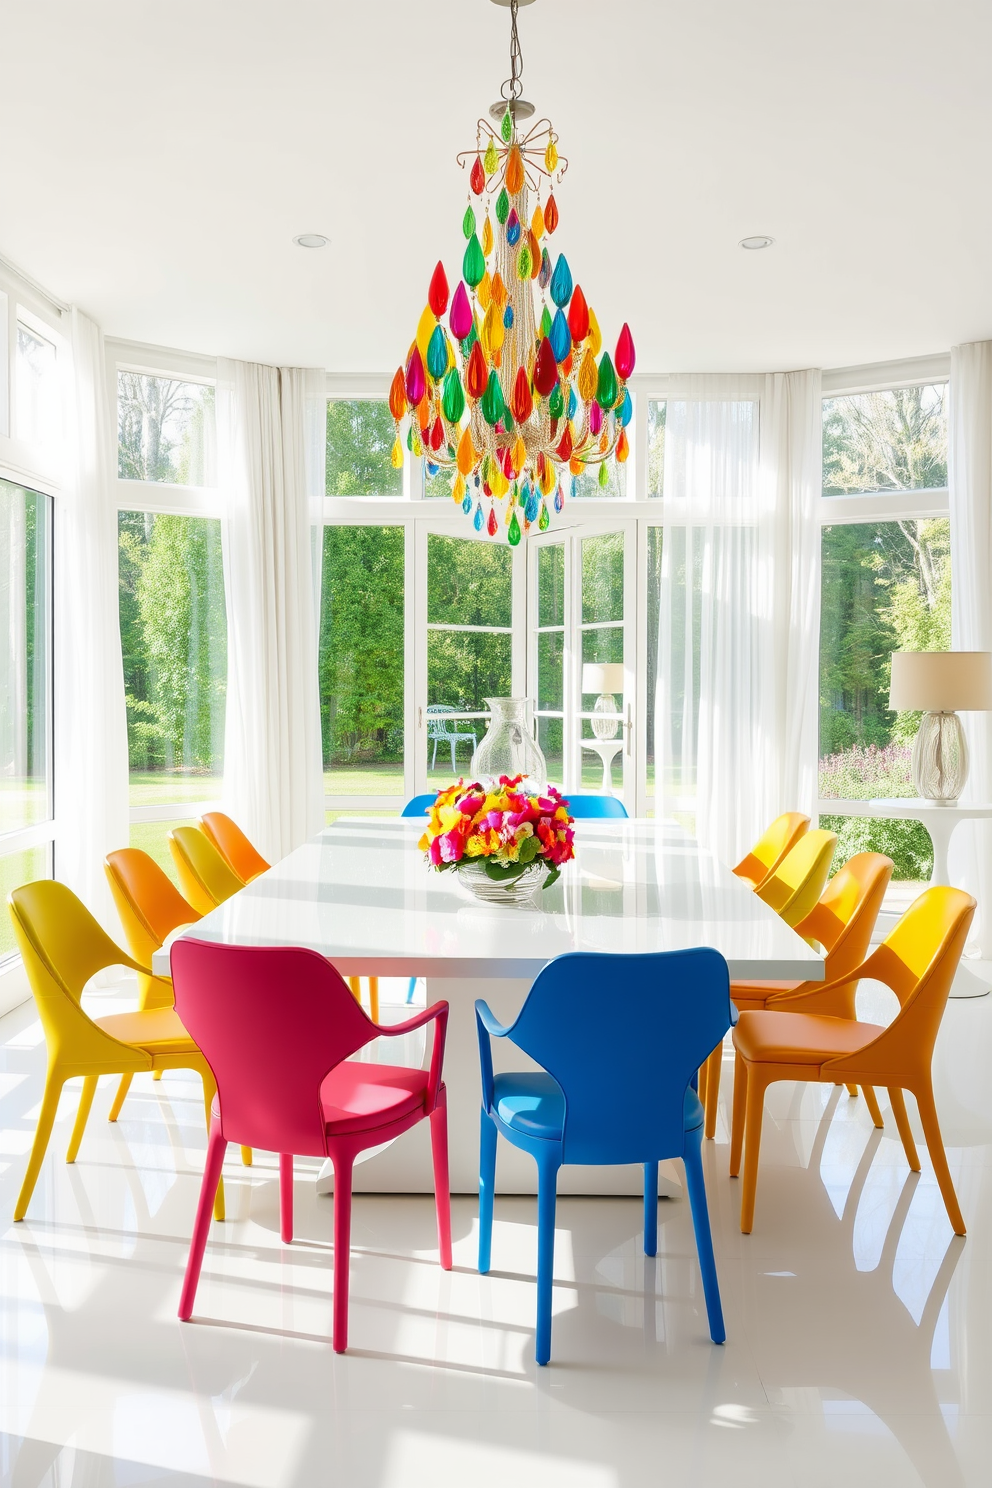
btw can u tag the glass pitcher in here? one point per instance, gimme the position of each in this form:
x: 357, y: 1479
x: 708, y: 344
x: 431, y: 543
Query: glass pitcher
x: 509, y: 747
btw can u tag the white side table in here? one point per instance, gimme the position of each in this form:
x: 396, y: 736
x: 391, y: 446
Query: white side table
x: 940, y: 822
x: 607, y: 749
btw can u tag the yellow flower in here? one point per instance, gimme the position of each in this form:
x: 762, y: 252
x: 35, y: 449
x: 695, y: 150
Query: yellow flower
x: 475, y: 846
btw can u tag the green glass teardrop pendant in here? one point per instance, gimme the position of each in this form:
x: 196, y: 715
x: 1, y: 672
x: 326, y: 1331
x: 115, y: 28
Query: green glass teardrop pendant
x: 437, y: 354
x: 493, y: 407
x: 474, y: 262
x: 468, y: 221
x: 513, y: 531
x: 556, y: 403
x: 606, y: 391
x: 502, y: 207
x: 604, y: 474
x: 453, y: 398
x: 545, y: 322
x: 506, y: 127
x: 544, y: 520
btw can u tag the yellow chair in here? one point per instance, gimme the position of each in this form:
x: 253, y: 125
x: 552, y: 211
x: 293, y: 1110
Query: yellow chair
x: 797, y: 883
x: 841, y: 923
x: 63, y: 947
x: 917, y: 961
x: 234, y: 847
x: 770, y: 848
x: 205, y: 879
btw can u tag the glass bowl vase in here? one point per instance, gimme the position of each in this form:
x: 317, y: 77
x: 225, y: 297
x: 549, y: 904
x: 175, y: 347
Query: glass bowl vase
x: 516, y: 893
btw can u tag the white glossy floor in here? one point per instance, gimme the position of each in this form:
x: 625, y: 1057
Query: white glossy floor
x: 859, y: 1344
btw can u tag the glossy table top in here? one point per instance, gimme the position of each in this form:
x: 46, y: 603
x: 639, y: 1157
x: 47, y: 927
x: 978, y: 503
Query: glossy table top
x: 361, y: 894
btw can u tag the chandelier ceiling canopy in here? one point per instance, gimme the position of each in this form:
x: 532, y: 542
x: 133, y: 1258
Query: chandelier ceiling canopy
x: 506, y: 384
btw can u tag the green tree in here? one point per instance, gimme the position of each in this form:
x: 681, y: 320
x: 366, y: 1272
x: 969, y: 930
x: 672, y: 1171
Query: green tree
x: 361, y: 644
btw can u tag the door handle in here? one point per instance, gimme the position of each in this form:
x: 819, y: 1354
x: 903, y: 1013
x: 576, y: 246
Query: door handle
x: 630, y: 729
x: 420, y: 717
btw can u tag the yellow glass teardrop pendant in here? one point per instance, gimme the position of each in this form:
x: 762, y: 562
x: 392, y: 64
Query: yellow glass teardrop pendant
x: 396, y: 458
x: 425, y: 330
x: 548, y: 479
x: 604, y: 442
x: 487, y: 236
x: 499, y: 290
x: 493, y: 330
x: 498, y: 483
x: 519, y: 456
x: 588, y: 377
x: 490, y: 160
x: 484, y: 290
x: 595, y: 334
x: 466, y: 456
x: 551, y: 157
x: 537, y: 222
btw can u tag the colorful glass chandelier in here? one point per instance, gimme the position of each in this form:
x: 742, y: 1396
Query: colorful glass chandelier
x: 506, y: 384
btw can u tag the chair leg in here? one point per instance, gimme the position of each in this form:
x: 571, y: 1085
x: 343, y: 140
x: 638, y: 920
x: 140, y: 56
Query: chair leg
x: 935, y: 1146
x: 157, y: 1074
x: 487, y: 1185
x: 82, y: 1116
x: 286, y: 1197
x: 442, y: 1185
x: 547, y: 1200
x: 453, y: 765
x: 898, y: 1103
x: 216, y: 1147
x: 209, y: 1091
x: 650, y: 1208
x: 871, y: 1101
x: 737, y: 1119
x: 355, y: 983
x: 42, y: 1132
x: 711, y: 1105
x: 411, y: 989
x: 374, y: 998
x: 702, y: 1075
x: 247, y: 1157
x: 754, y: 1111
x: 343, y: 1165
x: 693, y: 1161
x: 118, y: 1101
x: 852, y: 1091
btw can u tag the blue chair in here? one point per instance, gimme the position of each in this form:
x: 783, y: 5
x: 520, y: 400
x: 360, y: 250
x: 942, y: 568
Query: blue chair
x: 619, y: 1039
x: 590, y: 807
x: 419, y: 805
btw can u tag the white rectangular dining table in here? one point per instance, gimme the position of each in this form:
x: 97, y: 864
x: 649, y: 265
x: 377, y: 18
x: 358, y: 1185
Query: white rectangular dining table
x: 361, y: 894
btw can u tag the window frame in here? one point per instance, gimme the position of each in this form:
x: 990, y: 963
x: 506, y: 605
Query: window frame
x: 160, y: 498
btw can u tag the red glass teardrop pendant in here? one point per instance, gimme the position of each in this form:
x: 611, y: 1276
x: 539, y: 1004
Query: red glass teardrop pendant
x: 437, y: 294
x: 477, y: 179
x: 625, y: 355
x: 521, y: 402
x: 564, y: 450
x: 437, y: 434
x: 545, y: 368
x: 578, y: 315
x: 476, y: 373
x: 550, y: 214
x: 492, y: 526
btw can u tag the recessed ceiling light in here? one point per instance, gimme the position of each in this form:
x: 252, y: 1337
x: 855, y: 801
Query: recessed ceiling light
x: 751, y: 244
x: 310, y: 240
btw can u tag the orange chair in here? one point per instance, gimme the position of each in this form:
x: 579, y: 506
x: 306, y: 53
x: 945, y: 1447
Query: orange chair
x: 797, y: 883
x: 842, y: 923
x: 205, y: 878
x: 234, y: 847
x: 771, y: 847
x: 150, y: 907
x: 917, y: 961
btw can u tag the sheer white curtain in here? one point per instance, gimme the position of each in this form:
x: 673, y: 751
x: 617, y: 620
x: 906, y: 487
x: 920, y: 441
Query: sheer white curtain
x: 735, y: 707
x: 970, y: 484
x: 91, y: 763
x: 271, y: 433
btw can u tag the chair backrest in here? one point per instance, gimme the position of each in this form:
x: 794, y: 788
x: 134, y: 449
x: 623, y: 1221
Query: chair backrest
x: 419, y: 805
x: 771, y: 847
x: 844, y: 917
x: 917, y: 960
x: 623, y: 1036
x: 150, y: 908
x: 799, y: 879
x: 62, y: 947
x: 234, y: 847
x: 593, y: 807
x: 437, y: 726
x: 272, y: 1022
x: 204, y: 877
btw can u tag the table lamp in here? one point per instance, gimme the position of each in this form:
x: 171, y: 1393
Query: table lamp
x: 606, y: 678
x: 940, y: 684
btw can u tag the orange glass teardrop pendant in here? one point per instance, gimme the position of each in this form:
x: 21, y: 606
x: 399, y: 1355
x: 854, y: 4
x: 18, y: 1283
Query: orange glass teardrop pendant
x: 484, y: 290
x: 499, y: 290
x: 550, y: 214
x: 514, y: 171
x: 466, y: 456
x: 537, y: 223
x: 623, y: 447
x: 397, y: 395
x: 521, y: 401
x: 588, y: 377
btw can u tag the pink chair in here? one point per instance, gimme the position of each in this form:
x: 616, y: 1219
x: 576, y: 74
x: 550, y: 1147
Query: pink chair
x: 276, y: 1025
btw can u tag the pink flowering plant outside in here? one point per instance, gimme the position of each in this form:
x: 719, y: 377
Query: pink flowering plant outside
x: 501, y: 825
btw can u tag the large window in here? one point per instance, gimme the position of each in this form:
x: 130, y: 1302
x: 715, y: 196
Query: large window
x: 886, y: 586
x: 25, y: 692
x: 165, y: 430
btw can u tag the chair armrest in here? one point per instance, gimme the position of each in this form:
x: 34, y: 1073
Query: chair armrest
x: 487, y: 1026
x: 436, y: 1013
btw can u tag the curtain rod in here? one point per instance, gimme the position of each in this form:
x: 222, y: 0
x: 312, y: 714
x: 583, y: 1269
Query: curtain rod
x: 32, y: 284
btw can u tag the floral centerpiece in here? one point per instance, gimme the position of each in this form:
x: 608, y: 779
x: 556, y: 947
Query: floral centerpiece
x: 503, y: 840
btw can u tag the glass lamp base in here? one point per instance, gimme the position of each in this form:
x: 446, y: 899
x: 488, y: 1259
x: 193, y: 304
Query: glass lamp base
x: 940, y: 758
x: 605, y: 726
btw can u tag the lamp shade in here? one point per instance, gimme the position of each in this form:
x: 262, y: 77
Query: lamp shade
x: 941, y: 681
x: 602, y: 676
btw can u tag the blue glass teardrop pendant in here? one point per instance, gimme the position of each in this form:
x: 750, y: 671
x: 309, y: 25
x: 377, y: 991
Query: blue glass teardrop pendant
x: 561, y: 282
x: 530, y: 507
x: 478, y: 521
x: 626, y: 410
x: 573, y: 402
x: 559, y: 500
x: 466, y: 503
x: 431, y: 469
x: 561, y: 336
x: 508, y: 316
x: 575, y: 486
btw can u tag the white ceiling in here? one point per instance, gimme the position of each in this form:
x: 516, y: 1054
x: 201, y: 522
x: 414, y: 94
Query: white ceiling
x: 158, y: 158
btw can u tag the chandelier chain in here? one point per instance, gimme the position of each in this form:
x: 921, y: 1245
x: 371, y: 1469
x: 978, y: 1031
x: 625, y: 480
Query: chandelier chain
x: 513, y: 87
